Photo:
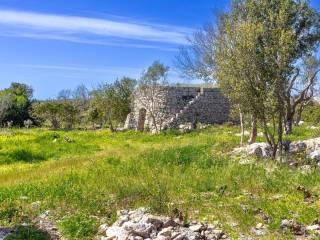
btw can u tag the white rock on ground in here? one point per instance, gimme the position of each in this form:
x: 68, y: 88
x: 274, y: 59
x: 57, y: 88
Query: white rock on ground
x: 312, y: 144
x: 261, y: 150
x: 245, y: 133
x: 315, y: 155
x: 139, y: 224
x: 298, y: 146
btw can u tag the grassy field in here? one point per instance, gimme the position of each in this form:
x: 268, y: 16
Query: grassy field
x: 83, y: 177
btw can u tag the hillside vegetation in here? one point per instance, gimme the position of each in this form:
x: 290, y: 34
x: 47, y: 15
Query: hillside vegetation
x: 84, y: 177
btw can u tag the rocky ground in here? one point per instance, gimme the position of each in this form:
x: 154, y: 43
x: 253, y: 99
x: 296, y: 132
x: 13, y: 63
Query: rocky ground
x: 139, y: 225
x: 310, y: 147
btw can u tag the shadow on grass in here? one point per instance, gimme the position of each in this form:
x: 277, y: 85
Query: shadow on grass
x: 28, y: 233
x: 21, y: 155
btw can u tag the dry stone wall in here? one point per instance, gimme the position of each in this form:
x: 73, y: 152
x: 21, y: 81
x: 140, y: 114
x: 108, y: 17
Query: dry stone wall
x: 179, y: 105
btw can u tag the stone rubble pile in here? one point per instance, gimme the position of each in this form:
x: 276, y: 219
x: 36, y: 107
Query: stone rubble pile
x: 139, y: 225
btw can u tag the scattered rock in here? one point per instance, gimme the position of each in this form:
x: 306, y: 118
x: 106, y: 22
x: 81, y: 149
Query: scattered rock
x: 139, y: 224
x: 68, y: 140
x: 296, y: 147
x: 315, y: 155
x: 306, y: 193
x: 102, y: 229
x: 261, y: 150
x: 293, y: 227
x: 313, y: 127
x: 36, y: 204
x: 313, y: 227
x: 306, y: 169
x: 24, y: 198
x: 196, y: 228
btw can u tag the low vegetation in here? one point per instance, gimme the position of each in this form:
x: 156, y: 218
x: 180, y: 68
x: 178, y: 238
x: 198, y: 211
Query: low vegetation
x: 83, y: 177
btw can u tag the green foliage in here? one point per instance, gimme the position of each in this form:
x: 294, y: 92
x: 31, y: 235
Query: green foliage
x: 112, y: 102
x: 253, y: 53
x: 24, y: 147
x: 79, y: 226
x: 57, y: 112
x: 311, y: 114
x: 101, y: 172
x: 155, y: 74
x: 15, y: 104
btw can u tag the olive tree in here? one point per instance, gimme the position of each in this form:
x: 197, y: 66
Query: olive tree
x: 301, y: 89
x: 252, y: 54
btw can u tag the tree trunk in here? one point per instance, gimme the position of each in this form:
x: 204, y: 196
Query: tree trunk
x: 111, y: 126
x: 288, y: 125
x: 194, y: 123
x: 280, y: 134
x: 299, y: 114
x: 241, y: 126
x: 289, y: 118
x: 110, y: 121
x: 254, y: 130
x: 55, y: 124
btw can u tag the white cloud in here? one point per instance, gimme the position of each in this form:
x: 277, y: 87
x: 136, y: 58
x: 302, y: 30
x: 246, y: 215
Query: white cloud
x: 83, y: 40
x: 73, y: 28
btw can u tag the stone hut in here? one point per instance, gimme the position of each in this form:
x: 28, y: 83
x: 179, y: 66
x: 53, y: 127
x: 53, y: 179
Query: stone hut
x: 173, y: 107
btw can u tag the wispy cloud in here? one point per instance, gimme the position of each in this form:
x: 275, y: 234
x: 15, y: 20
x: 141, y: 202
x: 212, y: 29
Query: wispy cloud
x: 83, y: 40
x: 81, y: 69
x: 76, y: 29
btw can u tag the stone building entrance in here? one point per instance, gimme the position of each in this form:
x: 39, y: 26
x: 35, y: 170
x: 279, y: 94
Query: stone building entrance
x: 141, y: 119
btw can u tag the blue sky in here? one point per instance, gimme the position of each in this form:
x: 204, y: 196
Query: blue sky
x: 54, y: 45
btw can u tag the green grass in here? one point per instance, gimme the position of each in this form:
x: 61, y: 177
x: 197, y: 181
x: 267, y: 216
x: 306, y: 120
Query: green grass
x: 84, y: 182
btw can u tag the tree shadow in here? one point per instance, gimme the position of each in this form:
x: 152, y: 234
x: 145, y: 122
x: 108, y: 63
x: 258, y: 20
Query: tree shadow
x: 22, y: 155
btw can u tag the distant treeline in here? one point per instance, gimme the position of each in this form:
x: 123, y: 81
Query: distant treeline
x: 107, y: 104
